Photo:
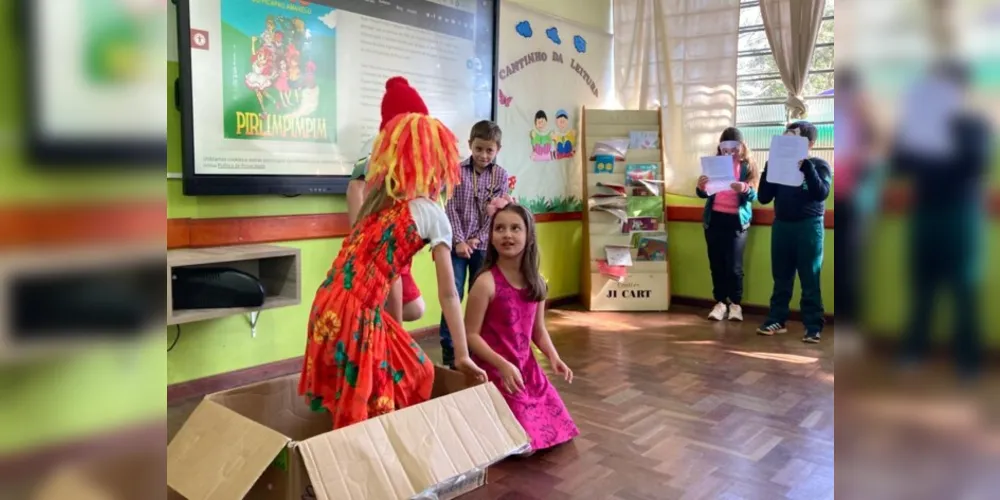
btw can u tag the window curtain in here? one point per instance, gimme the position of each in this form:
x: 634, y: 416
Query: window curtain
x: 679, y: 55
x: 791, y: 27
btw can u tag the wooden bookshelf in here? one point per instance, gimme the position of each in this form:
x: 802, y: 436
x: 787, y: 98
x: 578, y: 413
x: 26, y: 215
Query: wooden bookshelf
x: 647, y: 286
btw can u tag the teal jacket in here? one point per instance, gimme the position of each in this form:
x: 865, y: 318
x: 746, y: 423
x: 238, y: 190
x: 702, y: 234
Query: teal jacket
x: 746, y: 200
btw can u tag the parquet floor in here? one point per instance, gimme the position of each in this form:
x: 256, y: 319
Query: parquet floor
x: 672, y: 406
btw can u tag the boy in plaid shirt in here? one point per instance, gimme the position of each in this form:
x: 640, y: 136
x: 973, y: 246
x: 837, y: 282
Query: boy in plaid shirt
x: 482, y: 181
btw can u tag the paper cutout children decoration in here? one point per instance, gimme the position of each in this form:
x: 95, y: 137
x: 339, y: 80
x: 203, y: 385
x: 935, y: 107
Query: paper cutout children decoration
x: 604, y: 164
x: 541, y: 138
x: 565, y: 138
x: 549, y: 144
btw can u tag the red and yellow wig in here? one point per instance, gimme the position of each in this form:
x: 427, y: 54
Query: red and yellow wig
x: 413, y: 156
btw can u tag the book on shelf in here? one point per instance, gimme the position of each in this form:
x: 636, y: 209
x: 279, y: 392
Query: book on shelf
x: 644, y: 139
x: 609, y: 201
x: 615, y: 147
x: 645, y: 206
x: 618, y: 213
x: 647, y: 187
x: 604, y: 164
x: 611, y: 188
x: 617, y: 273
x: 635, y: 172
x: 618, y: 255
x: 634, y: 224
x: 651, y: 246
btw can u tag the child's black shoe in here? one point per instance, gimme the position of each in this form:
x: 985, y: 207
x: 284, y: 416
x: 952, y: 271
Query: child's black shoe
x: 811, y: 337
x: 770, y: 328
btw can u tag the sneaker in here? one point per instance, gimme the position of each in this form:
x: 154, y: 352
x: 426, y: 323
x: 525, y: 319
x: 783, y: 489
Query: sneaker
x: 718, y: 312
x: 770, y: 328
x: 811, y: 337
x: 735, y: 312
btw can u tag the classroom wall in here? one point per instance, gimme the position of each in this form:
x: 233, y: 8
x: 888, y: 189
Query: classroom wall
x: 54, y: 399
x: 218, y: 346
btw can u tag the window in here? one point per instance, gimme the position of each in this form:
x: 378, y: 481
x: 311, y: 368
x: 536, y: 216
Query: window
x: 760, y: 94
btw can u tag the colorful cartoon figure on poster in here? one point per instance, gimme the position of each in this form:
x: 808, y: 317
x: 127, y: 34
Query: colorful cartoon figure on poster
x: 541, y: 138
x: 283, y: 94
x: 266, y: 37
x: 281, y: 83
x: 565, y: 137
x: 261, y: 73
x: 292, y: 55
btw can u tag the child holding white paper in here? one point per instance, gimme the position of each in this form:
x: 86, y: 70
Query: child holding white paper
x: 727, y: 220
x: 797, y: 239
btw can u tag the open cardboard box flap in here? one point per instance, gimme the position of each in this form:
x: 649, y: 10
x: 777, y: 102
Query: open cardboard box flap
x: 220, y: 453
x: 426, y: 451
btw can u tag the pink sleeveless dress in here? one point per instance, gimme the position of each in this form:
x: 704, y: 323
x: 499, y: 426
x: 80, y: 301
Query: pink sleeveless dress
x: 507, y: 328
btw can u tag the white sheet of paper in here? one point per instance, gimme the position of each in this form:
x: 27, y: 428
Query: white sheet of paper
x: 783, y: 159
x: 618, y: 256
x: 719, y: 170
x: 926, y: 117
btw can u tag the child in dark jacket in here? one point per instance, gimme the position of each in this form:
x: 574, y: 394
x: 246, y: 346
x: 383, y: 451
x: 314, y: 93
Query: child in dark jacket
x: 797, y: 239
x: 945, y: 245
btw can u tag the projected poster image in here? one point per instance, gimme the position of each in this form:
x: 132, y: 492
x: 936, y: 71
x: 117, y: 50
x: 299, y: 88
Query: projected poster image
x: 293, y: 88
x: 279, y: 72
x: 88, y: 69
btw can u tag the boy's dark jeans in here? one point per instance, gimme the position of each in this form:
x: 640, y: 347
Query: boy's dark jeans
x: 945, y: 257
x: 465, y: 271
x: 797, y: 248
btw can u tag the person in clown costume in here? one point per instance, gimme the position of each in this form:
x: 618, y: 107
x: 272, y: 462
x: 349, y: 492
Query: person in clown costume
x: 405, y: 301
x: 360, y: 362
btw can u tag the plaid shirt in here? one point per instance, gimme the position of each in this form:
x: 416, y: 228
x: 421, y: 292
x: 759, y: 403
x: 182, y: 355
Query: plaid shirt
x: 467, y: 207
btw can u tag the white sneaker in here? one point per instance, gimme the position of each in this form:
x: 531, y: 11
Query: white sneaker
x: 718, y: 312
x: 735, y: 312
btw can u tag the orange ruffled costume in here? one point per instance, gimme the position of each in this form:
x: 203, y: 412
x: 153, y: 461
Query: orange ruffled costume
x: 360, y: 362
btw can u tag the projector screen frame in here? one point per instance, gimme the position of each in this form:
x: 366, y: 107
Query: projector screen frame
x: 58, y: 154
x: 195, y: 184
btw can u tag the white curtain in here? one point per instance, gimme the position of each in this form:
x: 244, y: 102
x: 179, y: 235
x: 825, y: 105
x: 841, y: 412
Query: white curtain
x: 681, y: 55
x: 791, y: 27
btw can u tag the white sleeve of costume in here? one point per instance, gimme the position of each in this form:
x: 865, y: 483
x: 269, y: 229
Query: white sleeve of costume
x: 432, y: 222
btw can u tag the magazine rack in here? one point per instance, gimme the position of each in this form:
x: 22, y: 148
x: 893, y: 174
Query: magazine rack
x: 646, y: 285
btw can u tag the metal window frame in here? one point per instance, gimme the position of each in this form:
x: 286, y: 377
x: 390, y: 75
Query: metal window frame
x: 765, y: 101
x: 757, y: 77
x: 767, y: 52
x: 763, y: 77
x: 753, y: 28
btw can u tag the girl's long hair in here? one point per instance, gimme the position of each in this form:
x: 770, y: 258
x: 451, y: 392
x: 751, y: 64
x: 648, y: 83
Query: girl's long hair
x: 377, y: 200
x: 734, y: 134
x: 536, y: 290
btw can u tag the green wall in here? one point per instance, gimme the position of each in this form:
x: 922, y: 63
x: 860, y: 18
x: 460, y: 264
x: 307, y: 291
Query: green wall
x: 218, y: 346
x: 53, y: 398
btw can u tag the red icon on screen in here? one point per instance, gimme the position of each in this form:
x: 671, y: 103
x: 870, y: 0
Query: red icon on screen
x: 199, y: 39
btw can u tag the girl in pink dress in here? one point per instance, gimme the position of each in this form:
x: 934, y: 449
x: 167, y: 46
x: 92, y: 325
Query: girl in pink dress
x: 281, y: 83
x: 504, y: 315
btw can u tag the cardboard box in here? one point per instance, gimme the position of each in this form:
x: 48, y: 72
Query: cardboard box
x: 262, y: 441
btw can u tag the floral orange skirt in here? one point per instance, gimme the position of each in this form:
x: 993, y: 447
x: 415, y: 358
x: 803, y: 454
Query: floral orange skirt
x: 360, y: 362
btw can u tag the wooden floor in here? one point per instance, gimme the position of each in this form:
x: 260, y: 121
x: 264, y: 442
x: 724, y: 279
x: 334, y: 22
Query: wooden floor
x: 672, y: 406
